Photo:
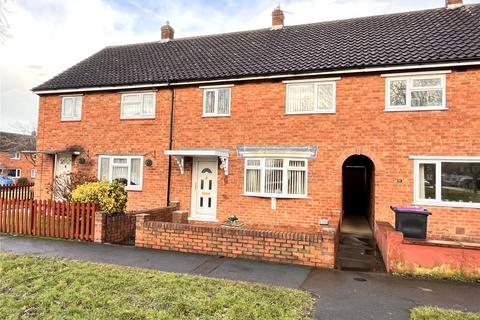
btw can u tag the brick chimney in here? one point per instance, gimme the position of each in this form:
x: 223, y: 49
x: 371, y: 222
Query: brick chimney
x: 452, y: 4
x: 167, y: 32
x: 277, y: 18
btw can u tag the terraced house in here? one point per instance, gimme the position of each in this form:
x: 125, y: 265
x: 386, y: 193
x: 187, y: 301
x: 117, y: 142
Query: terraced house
x: 290, y: 128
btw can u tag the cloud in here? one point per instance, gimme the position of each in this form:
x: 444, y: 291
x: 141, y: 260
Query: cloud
x: 48, y: 36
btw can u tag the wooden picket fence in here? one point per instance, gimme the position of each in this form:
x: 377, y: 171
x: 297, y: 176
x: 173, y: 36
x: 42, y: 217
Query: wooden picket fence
x: 23, y: 192
x: 47, y: 218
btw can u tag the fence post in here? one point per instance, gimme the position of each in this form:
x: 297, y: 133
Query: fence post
x: 100, y: 232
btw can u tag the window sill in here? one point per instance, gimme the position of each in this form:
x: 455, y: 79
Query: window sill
x: 411, y: 109
x: 134, y: 189
x: 307, y: 113
x: 275, y: 196
x: 70, y: 120
x: 138, y: 118
x: 448, y: 204
x: 204, y: 219
x: 215, y: 115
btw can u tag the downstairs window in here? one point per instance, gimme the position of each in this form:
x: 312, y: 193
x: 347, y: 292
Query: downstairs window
x: 14, y: 173
x: 271, y: 177
x: 126, y: 169
x: 447, y: 182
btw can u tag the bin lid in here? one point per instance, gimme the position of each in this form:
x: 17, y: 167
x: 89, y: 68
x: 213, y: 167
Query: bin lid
x: 411, y: 209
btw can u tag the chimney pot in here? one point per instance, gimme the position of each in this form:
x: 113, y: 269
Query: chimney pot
x: 452, y: 4
x: 278, y: 18
x: 167, y: 32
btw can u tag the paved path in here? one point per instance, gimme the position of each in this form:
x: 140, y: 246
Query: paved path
x: 339, y: 295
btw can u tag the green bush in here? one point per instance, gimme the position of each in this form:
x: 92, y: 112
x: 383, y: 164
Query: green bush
x: 111, y: 197
x: 22, y: 181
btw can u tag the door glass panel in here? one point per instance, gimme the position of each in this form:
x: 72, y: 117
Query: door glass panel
x: 201, y: 184
x: 201, y: 201
x: 210, y: 185
x: 209, y: 202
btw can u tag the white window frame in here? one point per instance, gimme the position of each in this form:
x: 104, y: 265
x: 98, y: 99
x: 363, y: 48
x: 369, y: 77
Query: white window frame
x: 215, y: 106
x: 286, y: 167
x: 437, y: 161
x: 69, y: 118
x: 129, y: 164
x: 33, y: 173
x: 315, y: 83
x: 18, y: 173
x: 141, y: 94
x: 15, y: 155
x: 409, y: 78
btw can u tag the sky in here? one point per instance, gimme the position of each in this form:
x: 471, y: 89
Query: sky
x: 45, y: 37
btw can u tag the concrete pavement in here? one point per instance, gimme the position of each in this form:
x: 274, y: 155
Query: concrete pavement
x: 340, y: 294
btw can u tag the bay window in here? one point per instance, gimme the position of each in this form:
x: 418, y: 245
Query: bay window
x: 272, y: 177
x: 126, y: 169
x: 447, y: 181
x: 422, y: 92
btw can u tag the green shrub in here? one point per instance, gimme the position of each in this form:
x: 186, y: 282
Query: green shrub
x: 22, y: 181
x: 111, y: 197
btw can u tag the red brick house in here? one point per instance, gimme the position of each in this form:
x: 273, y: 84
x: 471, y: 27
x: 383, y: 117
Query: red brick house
x: 288, y: 127
x: 14, y: 163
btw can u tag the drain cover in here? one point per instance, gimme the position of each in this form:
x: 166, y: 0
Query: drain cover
x: 360, y: 279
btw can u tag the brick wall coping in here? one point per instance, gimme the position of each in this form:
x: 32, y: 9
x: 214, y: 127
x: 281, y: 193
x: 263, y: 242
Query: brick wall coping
x: 308, y: 237
x: 433, y: 243
x: 144, y: 212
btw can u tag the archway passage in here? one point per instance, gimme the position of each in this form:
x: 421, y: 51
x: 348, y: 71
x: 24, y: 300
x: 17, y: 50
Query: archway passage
x: 357, y: 247
x: 358, y: 189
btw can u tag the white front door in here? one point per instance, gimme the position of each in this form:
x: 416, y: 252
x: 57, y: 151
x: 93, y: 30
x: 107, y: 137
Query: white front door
x: 63, y: 168
x: 204, y: 189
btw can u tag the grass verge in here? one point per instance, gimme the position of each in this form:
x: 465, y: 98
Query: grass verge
x: 49, y: 288
x: 432, y: 313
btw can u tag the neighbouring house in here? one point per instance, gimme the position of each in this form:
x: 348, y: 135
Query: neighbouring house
x: 14, y: 162
x: 290, y: 128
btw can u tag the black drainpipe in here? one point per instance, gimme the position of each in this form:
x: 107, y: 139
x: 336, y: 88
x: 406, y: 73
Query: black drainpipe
x: 170, y: 143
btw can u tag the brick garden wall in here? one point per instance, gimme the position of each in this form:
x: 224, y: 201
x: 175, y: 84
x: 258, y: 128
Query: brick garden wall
x: 121, y: 228
x: 404, y: 255
x: 315, y: 249
x: 359, y: 126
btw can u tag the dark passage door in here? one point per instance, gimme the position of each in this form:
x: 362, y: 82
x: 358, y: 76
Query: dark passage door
x: 355, y: 190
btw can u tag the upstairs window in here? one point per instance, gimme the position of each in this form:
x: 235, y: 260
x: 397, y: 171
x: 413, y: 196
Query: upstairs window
x: 126, y: 169
x: 216, y: 101
x: 423, y: 92
x: 310, y: 97
x: 278, y: 178
x: 448, y: 182
x: 71, y: 108
x: 138, y: 106
x: 15, y: 155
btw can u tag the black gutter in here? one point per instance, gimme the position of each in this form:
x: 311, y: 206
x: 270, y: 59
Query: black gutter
x: 170, y: 143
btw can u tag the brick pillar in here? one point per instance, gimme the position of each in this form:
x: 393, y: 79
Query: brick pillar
x: 100, y: 226
x: 175, y: 204
x: 329, y: 246
x: 180, y: 216
x: 139, y: 224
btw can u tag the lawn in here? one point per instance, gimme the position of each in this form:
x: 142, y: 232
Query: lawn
x: 49, y: 288
x: 431, y: 313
